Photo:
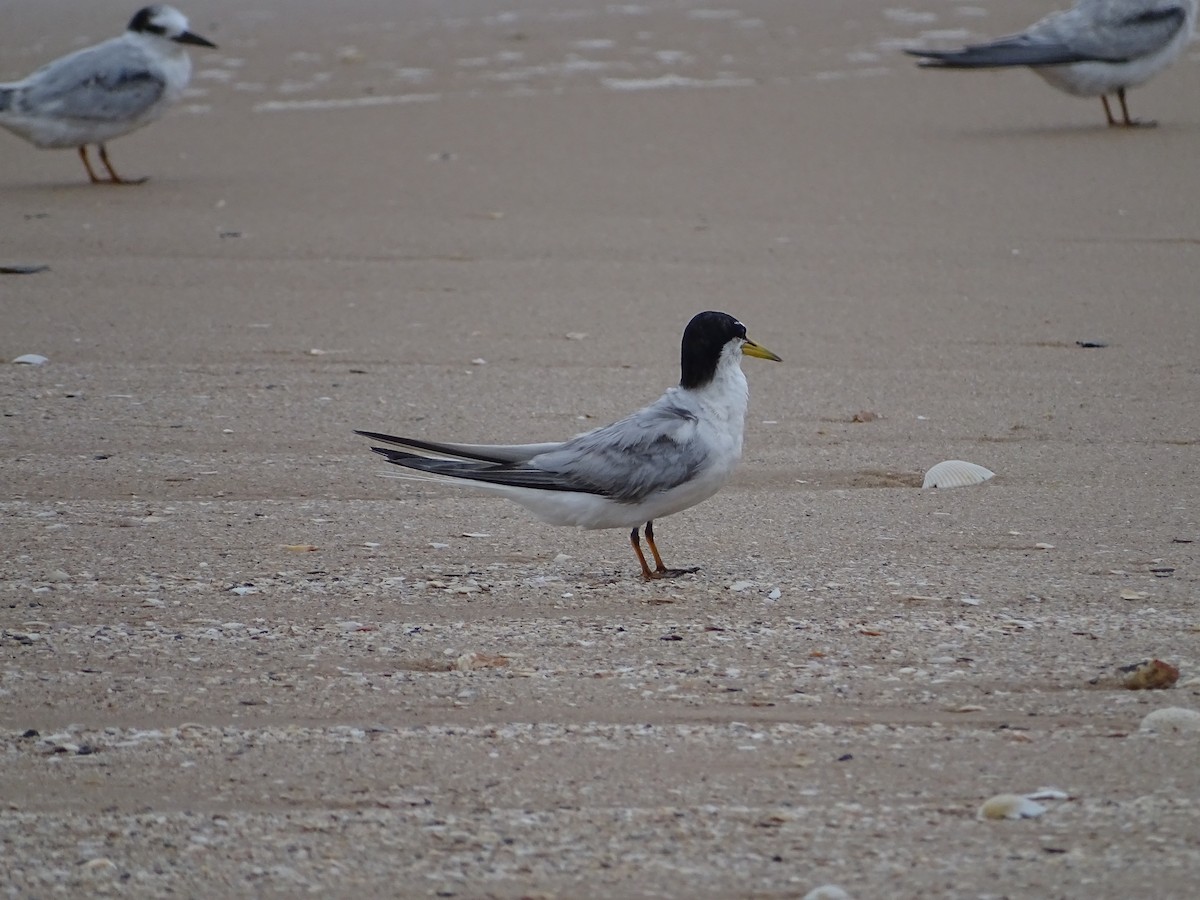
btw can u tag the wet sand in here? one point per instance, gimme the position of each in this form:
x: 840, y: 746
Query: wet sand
x: 256, y: 667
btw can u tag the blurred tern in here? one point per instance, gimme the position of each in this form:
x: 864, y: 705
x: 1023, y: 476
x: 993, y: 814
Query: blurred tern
x: 104, y: 91
x: 664, y: 458
x: 1096, y: 48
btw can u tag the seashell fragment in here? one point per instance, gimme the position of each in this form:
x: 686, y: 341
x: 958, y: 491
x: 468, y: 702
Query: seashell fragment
x: 101, y: 865
x: 1048, y: 793
x: 827, y: 892
x: 1009, y: 806
x: 952, y: 473
x: 468, y: 661
x: 1152, y: 675
x: 1172, y: 720
x: 31, y: 359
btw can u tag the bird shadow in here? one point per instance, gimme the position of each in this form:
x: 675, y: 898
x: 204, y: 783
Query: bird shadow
x: 70, y: 187
x: 1076, y: 131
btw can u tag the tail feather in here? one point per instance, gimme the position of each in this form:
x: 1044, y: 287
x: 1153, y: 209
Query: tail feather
x: 490, y: 453
x: 513, y: 475
x: 999, y: 54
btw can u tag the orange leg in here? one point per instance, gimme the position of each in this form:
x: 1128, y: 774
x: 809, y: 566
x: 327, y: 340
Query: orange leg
x: 1131, y: 123
x: 116, y: 179
x: 1107, y: 112
x: 637, y: 548
x: 87, y: 163
x: 1125, y: 122
x: 661, y: 571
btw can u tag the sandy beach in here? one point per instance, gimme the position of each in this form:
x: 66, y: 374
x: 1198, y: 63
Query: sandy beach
x: 236, y: 660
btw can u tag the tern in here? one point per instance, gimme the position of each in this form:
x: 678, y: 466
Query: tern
x: 664, y: 458
x: 104, y: 91
x: 1094, y: 49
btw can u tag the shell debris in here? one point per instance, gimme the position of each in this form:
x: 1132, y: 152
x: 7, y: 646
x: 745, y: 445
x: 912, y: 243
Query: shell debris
x: 1151, y: 675
x: 827, y: 892
x: 1172, y: 720
x: 1009, y: 806
x: 952, y: 473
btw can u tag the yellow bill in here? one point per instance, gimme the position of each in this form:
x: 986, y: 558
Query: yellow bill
x: 752, y: 349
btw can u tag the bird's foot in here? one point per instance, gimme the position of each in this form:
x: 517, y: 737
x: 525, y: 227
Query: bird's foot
x: 112, y: 173
x: 669, y: 573
x: 1125, y: 121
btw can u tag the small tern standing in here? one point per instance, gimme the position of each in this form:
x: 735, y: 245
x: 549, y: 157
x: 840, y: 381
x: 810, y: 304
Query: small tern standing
x: 1094, y: 49
x: 104, y: 91
x: 660, y: 460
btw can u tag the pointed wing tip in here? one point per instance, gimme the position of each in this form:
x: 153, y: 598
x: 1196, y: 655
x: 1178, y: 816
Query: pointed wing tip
x: 932, y: 57
x: 380, y: 436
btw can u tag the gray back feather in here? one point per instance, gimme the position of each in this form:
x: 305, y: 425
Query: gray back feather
x: 650, y: 451
x: 1113, y: 30
x: 110, y: 81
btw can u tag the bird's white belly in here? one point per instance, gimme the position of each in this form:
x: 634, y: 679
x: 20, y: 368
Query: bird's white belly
x: 54, y: 134
x: 594, y: 511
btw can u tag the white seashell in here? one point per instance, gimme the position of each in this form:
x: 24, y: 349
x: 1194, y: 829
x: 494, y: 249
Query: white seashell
x: 1010, y: 806
x: 31, y: 359
x: 101, y: 865
x: 827, y: 892
x: 1172, y: 720
x: 1048, y: 793
x: 954, y: 473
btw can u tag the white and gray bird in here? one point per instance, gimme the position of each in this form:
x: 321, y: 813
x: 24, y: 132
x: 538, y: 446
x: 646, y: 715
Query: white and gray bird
x: 1094, y: 49
x: 662, y: 459
x: 104, y: 91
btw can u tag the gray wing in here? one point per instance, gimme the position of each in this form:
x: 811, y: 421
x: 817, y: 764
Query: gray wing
x: 1104, y: 31
x: 653, y: 450
x: 1018, y: 50
x: 108, y: 82
x: 1114, y: 30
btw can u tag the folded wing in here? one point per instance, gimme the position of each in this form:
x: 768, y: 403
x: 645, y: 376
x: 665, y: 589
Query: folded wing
x: 1019, y: 50
x: 115, y: 84
x: 1091, y: 33
x: 652, y: 450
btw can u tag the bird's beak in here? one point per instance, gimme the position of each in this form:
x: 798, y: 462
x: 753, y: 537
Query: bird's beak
x: 188, y: 38
x: 752, y: 349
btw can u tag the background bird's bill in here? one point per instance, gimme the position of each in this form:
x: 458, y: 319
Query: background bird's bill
x: 189, y: 38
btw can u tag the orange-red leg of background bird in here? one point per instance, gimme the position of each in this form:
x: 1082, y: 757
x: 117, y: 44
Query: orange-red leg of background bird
x: 1108, y: 112
x: 116, y: 179
x: 1131, y: 123
x: 87, y: 163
